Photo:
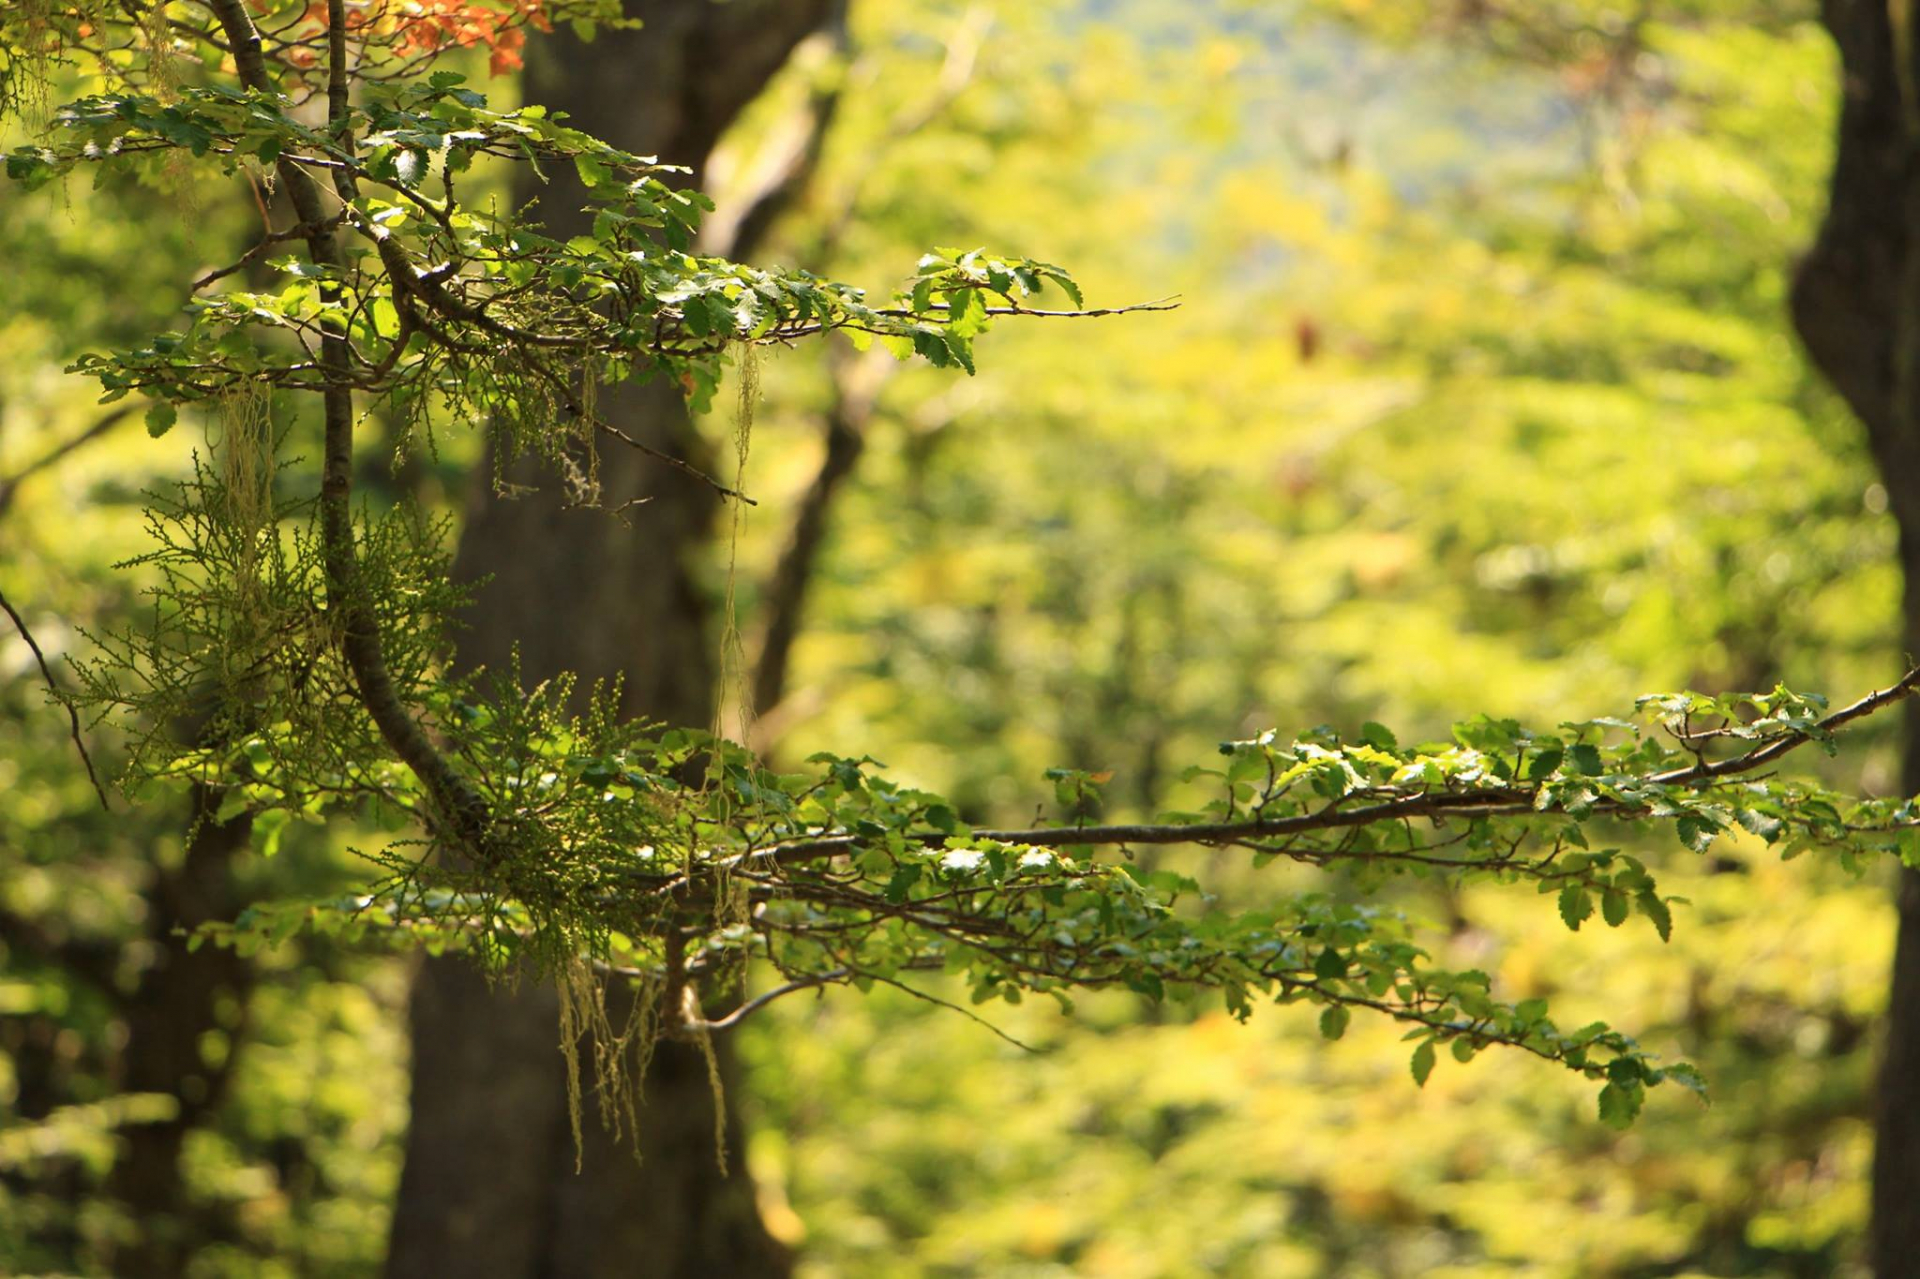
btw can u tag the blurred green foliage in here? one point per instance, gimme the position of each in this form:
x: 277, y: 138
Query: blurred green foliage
x: 1482, y: 398
x: 1484, y: 395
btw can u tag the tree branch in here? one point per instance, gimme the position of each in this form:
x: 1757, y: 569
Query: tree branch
x: 53, y: 687
x: 107, y: 421
x: 460, y: 810
x: 1491, y: 801
x: 787, y: 163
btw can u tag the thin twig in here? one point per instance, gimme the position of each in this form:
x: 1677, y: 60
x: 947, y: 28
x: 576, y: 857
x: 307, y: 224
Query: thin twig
x: 758, y: 1002
x: 785, y: 334
x: 1797, y: 738
x: 300, y: 230
x: 112, y: 418
x: 73, y: 716
x: 952, y: 1007
x: 677, y: 463
x: 1169, y: 303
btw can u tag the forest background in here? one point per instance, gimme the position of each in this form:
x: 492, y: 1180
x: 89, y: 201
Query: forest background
x: 1483, y: 396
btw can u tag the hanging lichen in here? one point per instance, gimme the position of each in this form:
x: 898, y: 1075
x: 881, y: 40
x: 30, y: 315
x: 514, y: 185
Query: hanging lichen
x: 619, y: 1055
x: 242, y: 447
x: 26, y: 59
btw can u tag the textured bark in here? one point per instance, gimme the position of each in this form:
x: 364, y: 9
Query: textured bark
x: 489, y: 1187
x: 1856, y: 304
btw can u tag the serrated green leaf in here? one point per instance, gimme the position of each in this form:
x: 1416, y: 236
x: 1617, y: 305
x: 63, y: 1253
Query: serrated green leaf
x: 1655, y: 909
x: 593, y: 171
x: 1543, y: 764
x: 1689, y: 1077
x: 1620, y: 1104
x: 1422, y: 1063
x: 1765, y: 826
x: 1696, y: 831
x: 1576, y: 904
x: 1379, y: 736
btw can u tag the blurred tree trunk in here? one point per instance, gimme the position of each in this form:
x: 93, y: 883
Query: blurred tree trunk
x: 180, y: 995
x: 1856, y: 303
x: 183, y: 994
x: 489, y: 1187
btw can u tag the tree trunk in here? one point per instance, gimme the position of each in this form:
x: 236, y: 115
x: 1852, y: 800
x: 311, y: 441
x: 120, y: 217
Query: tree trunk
x: 178, y: 998
x: 489, y: 1187
x: 1856, y: 304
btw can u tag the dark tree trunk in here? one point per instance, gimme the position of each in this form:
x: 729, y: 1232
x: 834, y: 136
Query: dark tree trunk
x: 489, y: 1187
x: 1856, y: 303
x: 180, y: 996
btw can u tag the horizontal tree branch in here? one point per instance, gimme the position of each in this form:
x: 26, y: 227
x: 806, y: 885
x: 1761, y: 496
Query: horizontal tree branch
x: 106, y: 422
x: 1491, y: 801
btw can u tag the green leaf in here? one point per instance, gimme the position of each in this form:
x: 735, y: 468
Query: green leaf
x: 1464, y: 1049
x: 28, y: 165
x: 1689, y: 1077
x: 232, y: 803
x: 966, y: 312
x: 1333, y: 1021
x: 1576, y: 904
x: 1422, y: 1063
x: 1379, y: 736
x: 593, y: 171
x: 410, y: 166
x: 1697, y: 831
x: 1759, y: 823
x: 1655, y: 909
x: 1620, y: 1104
x: 1542, y: 765
x: 1614, y: 907
x: 160, y: 418
x: 268, y: 827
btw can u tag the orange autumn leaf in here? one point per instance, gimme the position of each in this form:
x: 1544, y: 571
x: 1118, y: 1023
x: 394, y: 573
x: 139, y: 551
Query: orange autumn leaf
x: 418, y: 27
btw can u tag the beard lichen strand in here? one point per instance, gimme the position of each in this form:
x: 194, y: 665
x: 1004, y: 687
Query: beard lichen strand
x: 736, y: 690
x: 729, y: 899
x: 24, y: 82
x: 620, y: 1058
x: 460, y: 815
x: 163, y: 76
x: 242, y: 458
x: 580, y: 431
